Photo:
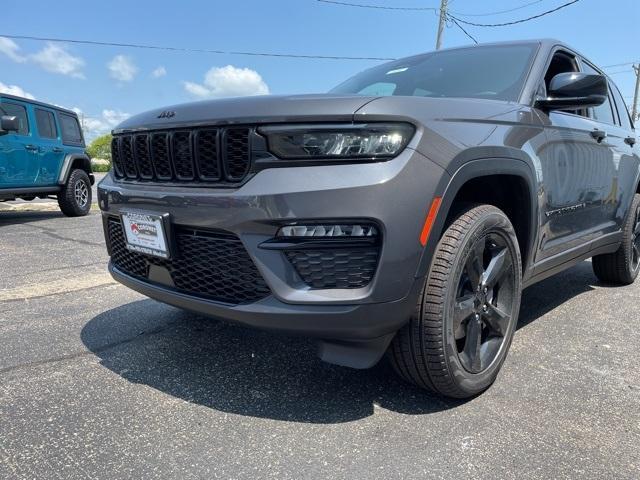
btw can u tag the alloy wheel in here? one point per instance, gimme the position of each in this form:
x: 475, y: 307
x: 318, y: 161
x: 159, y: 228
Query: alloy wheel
x: 484, y: 302
x: 81, y: 193
x: 635, y: 243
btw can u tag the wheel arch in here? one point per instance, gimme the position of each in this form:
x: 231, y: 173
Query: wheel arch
x: 480, y: 170
x: 72, y: 161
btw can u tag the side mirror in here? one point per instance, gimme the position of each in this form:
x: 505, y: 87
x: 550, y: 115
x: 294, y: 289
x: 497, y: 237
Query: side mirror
x: 9, y: 124
x: 572, y: 91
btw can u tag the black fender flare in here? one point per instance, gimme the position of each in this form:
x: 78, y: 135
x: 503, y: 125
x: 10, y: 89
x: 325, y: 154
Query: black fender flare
x: 72, y: 159
x: 467, y: 169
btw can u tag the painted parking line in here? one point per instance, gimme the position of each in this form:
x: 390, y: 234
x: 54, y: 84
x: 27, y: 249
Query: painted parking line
x: 54, y: 287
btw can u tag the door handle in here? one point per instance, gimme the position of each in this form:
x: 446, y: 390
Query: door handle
x: 599, y: 135
x: 631, y: 141
x: 57, y: 150
x: 31, y: 148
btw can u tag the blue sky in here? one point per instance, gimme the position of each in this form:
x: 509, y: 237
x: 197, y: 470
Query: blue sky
x: 109, y: 83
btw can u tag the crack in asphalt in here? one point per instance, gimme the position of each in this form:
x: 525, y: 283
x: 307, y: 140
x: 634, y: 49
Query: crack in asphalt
x: 47, y: 270
x: 50, y: 233
x: 98, y: 350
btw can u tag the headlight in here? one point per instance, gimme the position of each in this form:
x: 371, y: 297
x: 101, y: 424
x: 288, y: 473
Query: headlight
x: 364, y: 141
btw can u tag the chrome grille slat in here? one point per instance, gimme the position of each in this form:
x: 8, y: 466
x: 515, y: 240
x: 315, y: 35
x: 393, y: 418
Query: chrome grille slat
x: 199, y: 155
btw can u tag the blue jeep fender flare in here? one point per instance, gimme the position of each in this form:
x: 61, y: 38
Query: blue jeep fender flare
x: 75, y: 159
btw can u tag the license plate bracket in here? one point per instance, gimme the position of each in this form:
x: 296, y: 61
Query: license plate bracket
x: 147, y: 233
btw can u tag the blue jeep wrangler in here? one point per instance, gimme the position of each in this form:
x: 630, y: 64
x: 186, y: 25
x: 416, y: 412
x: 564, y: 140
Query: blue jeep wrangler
x: 42, y: 154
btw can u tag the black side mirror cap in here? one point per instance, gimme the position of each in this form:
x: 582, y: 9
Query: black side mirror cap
x: 569, y: 91
x: 9, y: 124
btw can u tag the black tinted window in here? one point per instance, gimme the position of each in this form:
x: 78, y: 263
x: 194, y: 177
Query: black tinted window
x: 623, y: 113
x: 602, y: 113
x: 46, y: 124
x: 71, y: 132
x: 494, y: 72
x: 15, y: 110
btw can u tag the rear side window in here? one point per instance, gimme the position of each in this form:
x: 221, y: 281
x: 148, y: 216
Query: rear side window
x: 46, y: 124
x: 623, y: 113
x: 15, y: 110
x: 71, y: 132
x: 602, y: 113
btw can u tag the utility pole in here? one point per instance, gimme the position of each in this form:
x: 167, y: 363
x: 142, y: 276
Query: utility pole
x: 443, y: 21
x: 634, y: 114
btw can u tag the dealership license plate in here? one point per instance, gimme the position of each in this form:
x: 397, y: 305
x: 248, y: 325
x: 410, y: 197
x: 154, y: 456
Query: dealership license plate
x: 145, y: 233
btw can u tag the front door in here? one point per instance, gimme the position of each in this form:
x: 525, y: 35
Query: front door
x: 18, y: 158
x: 579, y: 174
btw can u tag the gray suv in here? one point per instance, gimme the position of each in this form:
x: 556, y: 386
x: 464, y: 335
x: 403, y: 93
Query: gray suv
x: 404, y: 212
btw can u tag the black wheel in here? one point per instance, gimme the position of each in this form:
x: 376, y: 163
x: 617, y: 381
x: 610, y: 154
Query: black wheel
x: 623, y: 266
x: 461, y: 329
x: 75, y: 198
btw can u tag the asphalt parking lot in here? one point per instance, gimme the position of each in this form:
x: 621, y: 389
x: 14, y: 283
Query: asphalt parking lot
x: 98, y: 382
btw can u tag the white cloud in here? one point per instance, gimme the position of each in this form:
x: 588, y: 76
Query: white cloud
x: 15, y: 90
x: 228, y: 81
x: 114, y: 117
x: 56, y: 59
x: 99, y: 125
x: 159, y: 72
x: 11, y: 50
x: 122, y: 68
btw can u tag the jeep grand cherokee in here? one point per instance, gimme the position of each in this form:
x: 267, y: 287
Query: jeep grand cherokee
x: 403, y: 212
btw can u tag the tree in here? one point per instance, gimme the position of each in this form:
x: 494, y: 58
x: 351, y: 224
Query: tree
x: 101, y: 148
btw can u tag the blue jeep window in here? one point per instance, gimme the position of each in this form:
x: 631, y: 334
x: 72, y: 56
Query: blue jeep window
x: 71, y: 132
x: 15, y: 110
x: 46, y: 124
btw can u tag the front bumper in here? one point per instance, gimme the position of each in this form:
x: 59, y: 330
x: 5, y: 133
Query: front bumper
x: 395, y: 195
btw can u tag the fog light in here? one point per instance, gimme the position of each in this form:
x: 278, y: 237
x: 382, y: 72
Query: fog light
x: 325, y: 231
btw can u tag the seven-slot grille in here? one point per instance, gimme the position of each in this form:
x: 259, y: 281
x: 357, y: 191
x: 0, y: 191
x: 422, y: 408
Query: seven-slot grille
x: 212, y: 155
x: 207, y: 264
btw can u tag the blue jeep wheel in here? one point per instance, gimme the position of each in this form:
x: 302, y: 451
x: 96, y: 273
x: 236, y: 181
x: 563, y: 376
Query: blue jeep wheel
x: 75, y: 198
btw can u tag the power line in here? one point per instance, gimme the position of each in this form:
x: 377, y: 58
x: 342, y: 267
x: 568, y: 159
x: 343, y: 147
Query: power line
x: 190, y: 50
x: 379, y: 7
x: 619, y: 65
x: 489, y: 14
x: 461, y: 28
x: 516, y: 21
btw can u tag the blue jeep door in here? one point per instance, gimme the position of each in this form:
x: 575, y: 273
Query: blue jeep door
x: 18, y: 160
x: 50, y: 151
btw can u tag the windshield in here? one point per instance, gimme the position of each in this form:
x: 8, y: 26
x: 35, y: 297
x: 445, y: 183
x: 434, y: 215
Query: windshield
x: 494, y: 72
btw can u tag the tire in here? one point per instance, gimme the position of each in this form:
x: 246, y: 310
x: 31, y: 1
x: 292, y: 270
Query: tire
x: 75, y: 198
x: 622, y: 267
x: 431, y: 351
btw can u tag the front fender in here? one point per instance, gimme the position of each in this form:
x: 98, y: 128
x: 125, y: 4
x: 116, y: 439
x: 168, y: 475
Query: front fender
x: 467, y: 169
x: 71, y: 160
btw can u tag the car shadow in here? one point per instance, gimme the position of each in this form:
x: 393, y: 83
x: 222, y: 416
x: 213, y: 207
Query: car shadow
x: 261, y: 374
x: 12, y: 217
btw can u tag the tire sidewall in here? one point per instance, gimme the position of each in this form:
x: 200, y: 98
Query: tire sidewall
x: 67, y: 201
x: 628, y: 241
x: 491, y: 222
x: 81, y: 177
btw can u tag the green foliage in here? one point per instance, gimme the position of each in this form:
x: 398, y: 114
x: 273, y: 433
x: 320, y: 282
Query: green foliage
x: 100, y: 167
x: 101, y: 148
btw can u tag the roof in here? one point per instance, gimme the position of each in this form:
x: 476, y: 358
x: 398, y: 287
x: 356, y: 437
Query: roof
x: 545, y: 42
x: 41, y: 104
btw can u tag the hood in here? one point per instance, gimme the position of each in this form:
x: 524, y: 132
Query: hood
x: 428, y: 109
x: 250, y: 110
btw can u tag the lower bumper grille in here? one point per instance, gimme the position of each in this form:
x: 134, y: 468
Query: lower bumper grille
x: 335, y: 268
x: 212, y: 265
